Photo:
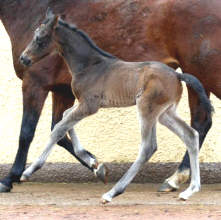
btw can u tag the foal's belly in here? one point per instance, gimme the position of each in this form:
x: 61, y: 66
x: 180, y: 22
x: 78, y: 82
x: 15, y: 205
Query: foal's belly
x: 118, y: 98
x: 120, y: 87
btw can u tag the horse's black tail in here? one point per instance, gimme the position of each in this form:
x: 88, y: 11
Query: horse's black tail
x: 196, y: 85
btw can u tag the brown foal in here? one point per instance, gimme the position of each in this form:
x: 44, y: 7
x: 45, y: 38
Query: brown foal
x: 100, y: 80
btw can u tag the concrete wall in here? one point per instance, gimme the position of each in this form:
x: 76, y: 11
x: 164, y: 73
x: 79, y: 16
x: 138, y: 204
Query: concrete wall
x: 112, y: 134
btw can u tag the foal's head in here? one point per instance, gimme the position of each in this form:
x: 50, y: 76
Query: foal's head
x: 41, y: 44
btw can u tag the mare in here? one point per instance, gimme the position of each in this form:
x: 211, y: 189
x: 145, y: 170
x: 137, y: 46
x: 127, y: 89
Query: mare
x: 134, y: 30
x: 100, y: 80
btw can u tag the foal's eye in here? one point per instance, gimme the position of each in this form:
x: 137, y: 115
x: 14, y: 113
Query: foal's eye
x: 40, y: 42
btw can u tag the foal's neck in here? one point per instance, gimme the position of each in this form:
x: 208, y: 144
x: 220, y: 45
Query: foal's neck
x: 78, y: 49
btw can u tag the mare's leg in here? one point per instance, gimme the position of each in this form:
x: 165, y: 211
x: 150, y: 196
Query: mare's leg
x: 147, y: 148
x: 191, y: 138
x: 73, y: 116
x: 32, y: 105
x: 201, y: 122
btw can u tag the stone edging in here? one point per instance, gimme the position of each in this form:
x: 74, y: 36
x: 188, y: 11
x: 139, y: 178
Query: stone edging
x: 151, y: 172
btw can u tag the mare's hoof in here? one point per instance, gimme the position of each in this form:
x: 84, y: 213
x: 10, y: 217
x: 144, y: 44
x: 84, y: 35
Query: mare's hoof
x: 23, y: 178
x: 4, y: 188
x: 166, y: 187
x: 101, y: 172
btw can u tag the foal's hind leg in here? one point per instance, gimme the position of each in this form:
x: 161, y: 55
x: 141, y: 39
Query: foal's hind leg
x: 58, y: 133
x: 147, y: 148
x: 201, y: 121
x: 191, y: 138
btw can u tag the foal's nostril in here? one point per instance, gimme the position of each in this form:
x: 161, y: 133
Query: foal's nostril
x: 25, y: 61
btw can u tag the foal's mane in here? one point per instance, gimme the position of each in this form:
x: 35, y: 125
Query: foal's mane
x: 86, y: 37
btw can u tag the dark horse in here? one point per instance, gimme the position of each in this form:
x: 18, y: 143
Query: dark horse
x: 100, y: 80
x: 178, y: 33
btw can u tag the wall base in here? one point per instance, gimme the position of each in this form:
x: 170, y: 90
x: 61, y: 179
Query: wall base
x: 150, y: 173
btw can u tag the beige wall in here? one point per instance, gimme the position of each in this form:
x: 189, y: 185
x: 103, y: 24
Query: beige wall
x: 112, y: 134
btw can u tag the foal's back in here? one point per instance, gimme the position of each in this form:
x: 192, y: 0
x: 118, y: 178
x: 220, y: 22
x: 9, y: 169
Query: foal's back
x: 125, y: 82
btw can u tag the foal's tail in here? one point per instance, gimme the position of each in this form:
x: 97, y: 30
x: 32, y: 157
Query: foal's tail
x: 196, y: 85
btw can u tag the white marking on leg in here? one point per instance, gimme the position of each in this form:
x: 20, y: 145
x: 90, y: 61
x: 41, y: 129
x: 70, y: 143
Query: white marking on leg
x: 191, y: 138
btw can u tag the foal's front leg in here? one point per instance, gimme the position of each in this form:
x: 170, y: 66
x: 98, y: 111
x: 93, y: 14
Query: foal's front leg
x: 60, y: 104
x: 86, y: 157
x: 59, y: 131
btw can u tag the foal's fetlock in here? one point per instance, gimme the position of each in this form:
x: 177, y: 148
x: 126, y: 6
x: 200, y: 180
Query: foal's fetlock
x: 101, y: 172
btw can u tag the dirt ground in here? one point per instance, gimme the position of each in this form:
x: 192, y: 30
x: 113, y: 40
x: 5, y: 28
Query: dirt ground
x: 82, y: 201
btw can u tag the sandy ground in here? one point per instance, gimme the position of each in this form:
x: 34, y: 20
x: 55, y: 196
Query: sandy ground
x: 82, y: 201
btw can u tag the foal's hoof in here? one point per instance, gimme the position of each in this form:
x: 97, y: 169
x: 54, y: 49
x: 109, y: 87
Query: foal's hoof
x: 104, y: 201
x: 24, y: 178
x: 4, y: 188
x: 106, y: 198
x: 101, y: 172
x: 166, y: 187
x: 183, y: 196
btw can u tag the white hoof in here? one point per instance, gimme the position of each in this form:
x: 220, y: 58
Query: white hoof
x: 24, y: 178
x: 183, y: 196
x: 106, y: 198
x: 189, y: 192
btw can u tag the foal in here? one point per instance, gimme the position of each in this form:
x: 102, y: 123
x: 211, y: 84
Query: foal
x: 100, y: 80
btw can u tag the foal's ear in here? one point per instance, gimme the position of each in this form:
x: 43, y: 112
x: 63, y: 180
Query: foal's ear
x: 49, y: 13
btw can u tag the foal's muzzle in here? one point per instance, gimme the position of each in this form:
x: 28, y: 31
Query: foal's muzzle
x: 25, y: 60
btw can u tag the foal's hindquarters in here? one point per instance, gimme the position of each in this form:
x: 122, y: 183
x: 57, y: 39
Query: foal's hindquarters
x: 156, y: 90
x: 157, y: 93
